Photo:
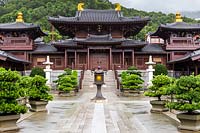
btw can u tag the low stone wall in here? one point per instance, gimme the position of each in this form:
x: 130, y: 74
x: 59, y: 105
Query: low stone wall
x: 145, y: 76
x: 54, y: 74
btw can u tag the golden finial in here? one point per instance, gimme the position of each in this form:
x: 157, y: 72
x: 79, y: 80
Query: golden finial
x: 80, y: 6
x: 178, y: 17
x: 19, y: 17
x: 118, y: 7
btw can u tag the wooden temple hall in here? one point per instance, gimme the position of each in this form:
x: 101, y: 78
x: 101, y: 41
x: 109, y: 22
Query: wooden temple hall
x: 100, y: 38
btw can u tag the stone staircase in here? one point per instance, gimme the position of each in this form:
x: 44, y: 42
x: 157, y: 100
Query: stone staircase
x: 109, y: 79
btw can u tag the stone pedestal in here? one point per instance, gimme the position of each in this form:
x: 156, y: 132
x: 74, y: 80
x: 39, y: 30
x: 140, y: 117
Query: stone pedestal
x: 8, y: 123
x: 150, y: 70
x: 48, y: 70
x: 38, y: 106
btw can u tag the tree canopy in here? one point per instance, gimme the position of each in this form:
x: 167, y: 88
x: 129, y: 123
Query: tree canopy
x: 37, y: 11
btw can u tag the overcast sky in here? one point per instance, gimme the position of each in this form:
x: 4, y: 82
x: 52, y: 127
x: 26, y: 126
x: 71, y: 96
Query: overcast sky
x: 161, y: 5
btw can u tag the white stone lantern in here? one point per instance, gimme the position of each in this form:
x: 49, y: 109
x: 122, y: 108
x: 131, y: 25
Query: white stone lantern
x: 150, y: 70
x: 48, y: 70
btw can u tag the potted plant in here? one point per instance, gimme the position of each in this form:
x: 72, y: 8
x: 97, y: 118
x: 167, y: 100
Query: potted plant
x: 25, y: 84
x: 38, y: 94
x: 158, y: 89
x: 67, y: 83
x: 10, y: 110
x: 187, y: 93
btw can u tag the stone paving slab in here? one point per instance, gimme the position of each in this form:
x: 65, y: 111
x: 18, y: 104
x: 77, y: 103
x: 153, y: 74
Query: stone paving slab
x: 116, y: 115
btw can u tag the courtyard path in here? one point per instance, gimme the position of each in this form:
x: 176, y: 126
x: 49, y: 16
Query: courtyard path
x: 116, y: 115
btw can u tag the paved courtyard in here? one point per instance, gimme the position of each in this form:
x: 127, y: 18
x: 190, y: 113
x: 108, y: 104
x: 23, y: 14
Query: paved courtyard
x: 118, y: 114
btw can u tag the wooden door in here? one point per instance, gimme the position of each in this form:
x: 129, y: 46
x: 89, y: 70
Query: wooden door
x: 99, y: 59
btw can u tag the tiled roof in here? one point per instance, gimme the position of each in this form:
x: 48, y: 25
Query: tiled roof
x: 181, y: 25
x: 11, y: 57
x: 133, y: 43
x: 34, y: 30
x: 65, y: 43
x: 190, y: 56
x: 91, y: 15
x: 153, y: 48
x: 44, y: 48
x: 99, y: 39
x: 163, y: 29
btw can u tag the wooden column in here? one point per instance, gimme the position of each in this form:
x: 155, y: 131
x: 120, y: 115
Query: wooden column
x: 75, y: 62
x: 196, y: 69
x: 111, y: 59
x: 66, y: 58
x: 188, y: 70
x: 133, y: 57
x: 88, y: 58
x: 123, y: 59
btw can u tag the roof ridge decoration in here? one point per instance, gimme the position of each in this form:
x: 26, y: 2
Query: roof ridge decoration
x: 178, y: 17
x: 80, y: 6
x: 19, y: 17
x: 118, y: 7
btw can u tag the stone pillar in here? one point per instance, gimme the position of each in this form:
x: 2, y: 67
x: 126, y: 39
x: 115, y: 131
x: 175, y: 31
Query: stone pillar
x: 150, y: 71
x: 48, y: 70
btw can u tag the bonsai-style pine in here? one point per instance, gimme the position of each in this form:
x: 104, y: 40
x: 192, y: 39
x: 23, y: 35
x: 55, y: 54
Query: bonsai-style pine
x: 131, y: 79
x: 39, y: 89
x: 9, y: 92
x: 67, y: 81
x: 159, y: 87
x: 187, y: 93
x: 160, y: 69
x: 37, y: 71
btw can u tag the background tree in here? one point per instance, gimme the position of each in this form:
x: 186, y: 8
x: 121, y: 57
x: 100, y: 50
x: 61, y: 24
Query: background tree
x: 160, y: 69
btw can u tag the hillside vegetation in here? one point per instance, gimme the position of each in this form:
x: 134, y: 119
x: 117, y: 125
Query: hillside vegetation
x: 37, y: 11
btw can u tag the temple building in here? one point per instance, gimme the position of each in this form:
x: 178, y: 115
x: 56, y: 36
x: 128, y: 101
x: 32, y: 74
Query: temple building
x: 182, y: 44
x: 16, y: 43
x: 100, y: 38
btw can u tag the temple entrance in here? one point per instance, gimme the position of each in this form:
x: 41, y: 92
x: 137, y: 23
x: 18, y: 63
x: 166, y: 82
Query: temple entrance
x: 99, y: 58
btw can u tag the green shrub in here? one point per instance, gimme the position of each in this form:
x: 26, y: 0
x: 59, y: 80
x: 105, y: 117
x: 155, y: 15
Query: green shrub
x: 159, y: 87
x: 37, y: 71
x: 67, y: 81
x: 131, y: 79
x: 133, y: 70
x: 160, y: 69
x: 39, y: 89
x: 187, y: 93
x: 9, y: 92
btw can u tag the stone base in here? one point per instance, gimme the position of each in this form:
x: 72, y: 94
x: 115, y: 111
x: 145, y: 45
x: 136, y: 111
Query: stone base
x: 38, y: 106
x: 130, y: 93
x: 98, y: 100
x: 65, y: 94
x: 158, y: 106
x: 8, y: 123
x: 189, y: 121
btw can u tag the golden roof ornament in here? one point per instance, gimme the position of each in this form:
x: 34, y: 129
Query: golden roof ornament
x: 80, y: 6
x: 178, y: 17
x: 118, y: 7
x: 19, y: 17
